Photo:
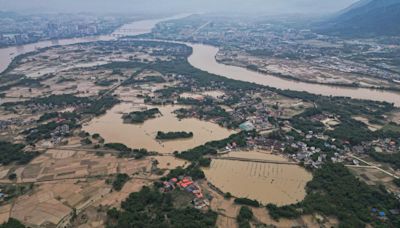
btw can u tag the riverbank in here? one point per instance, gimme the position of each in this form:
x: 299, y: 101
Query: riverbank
x: 133, y: 29
x: 289, y: 77
x: 204, y: 58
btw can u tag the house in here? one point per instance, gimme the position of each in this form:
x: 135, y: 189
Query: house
x: 247, y: 126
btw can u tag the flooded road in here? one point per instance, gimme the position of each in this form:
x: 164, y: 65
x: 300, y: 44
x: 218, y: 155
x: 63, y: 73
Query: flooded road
x: 266, y: 182
x: 203, y: 58
x: 111, y: 127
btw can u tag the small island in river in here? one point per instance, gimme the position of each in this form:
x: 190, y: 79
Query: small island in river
x: 173, y: 135
x: 141, y: 116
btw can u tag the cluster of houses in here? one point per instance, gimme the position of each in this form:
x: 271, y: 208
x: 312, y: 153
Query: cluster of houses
x: 387, y: 145
x: 57, y: 136
x: 186, y: 183
x: 6, y: 124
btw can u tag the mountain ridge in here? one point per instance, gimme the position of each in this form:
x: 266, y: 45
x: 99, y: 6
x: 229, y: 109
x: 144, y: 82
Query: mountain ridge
x: 365, y: 18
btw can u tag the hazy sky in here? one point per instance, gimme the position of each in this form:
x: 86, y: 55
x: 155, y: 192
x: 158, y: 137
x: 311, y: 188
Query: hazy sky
x: 127, y: 6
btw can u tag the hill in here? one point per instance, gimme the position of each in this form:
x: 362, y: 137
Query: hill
x: 365, y: 18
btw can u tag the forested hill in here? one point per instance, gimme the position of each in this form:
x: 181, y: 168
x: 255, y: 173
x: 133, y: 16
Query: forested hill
x: 366, y: 18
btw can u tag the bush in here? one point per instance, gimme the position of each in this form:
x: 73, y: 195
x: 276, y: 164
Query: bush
x: 244, y: 217
x: 12, y: 223
x: 284, y: 211
x: 12, y: 176
x: 248, y: 202
x: 120, y: 181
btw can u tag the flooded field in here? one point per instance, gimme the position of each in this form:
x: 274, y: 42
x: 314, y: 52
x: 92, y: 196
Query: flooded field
x: 280, y: 184
x: 169, y: 162
x: 112, y: 129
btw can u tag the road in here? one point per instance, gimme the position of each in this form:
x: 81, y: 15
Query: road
x: 256, y: 160
x: 200, y: 28
x: 374, y: 166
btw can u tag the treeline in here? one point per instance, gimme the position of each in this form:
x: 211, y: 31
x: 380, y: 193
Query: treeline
x: 126, y: 152
x: 193, y: 170
x: 150, y: 208
x: 248, y: 202
x: 181, y: 66
x: 54, y: 100
x: 10, y: 152
x: 334, y: 191
x: 28, y: 82
x: 288, y: 211
x: 87, y: 105
x: 61, y: 115
x: 197, y: 153
x: 173, y: 135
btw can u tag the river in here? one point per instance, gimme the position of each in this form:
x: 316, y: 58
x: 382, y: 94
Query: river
x: 132, y: 29
x: 203, y: 58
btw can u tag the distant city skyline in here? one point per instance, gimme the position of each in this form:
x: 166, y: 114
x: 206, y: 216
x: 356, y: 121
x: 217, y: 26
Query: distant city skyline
x: 272, y: 7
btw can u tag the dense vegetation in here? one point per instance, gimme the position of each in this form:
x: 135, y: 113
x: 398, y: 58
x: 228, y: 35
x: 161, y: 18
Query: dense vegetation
x: 120, y: 181
x: 44, y: 131
x: 126, y: 152
x: 150, y: 208
x: 192, y: 170
x: 89, y: 105
x: 392, y: 158
x: 349, y: 130
x: 61, y: 115
x: 248, y: 202
x: 106, y: 82
x: 288, y: 211
x: 244, y: 217
x: 365, y: 19
x: 12, y: 223
x: 100, y: 106
x: 173, y: 135
x: 53, y: 100
x: 14, y: 153
x: 197, y: 153
x: 334, y: 191
x: 141, y: 116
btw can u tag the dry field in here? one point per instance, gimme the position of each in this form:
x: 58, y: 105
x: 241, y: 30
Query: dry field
x: 71, y: 164
x: 67, y: 180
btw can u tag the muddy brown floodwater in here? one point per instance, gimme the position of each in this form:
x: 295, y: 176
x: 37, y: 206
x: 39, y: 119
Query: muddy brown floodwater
x: 280, y: 184
x: 204, y: 58
x: 111, y: 127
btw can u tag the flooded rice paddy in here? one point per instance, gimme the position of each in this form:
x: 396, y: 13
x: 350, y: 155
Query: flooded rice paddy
x: 111, y: 127
x: 280, y: 184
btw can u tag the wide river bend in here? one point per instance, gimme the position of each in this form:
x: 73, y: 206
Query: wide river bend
x: 203, y: 58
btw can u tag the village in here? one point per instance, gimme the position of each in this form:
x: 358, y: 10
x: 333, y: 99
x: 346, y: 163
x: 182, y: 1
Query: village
x: 71, y: 159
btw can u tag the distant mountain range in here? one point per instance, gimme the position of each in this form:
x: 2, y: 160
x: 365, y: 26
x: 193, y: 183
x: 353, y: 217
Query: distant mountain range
x: 365, y: 18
